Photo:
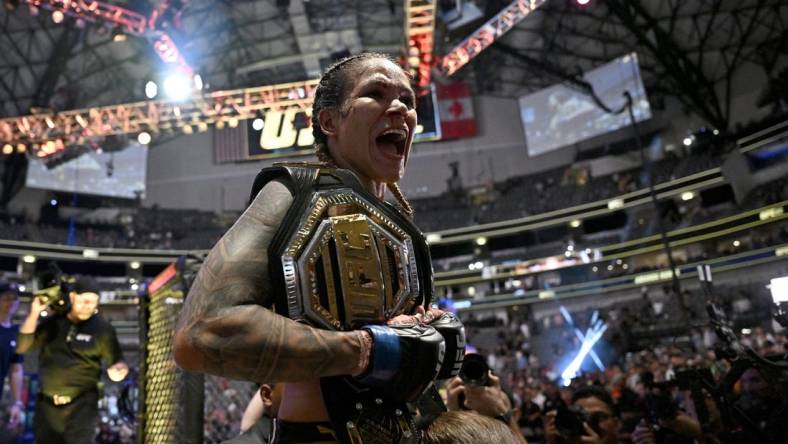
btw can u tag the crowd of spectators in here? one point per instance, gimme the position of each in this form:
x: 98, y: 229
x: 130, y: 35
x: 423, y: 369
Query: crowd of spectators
x: 529, y: 355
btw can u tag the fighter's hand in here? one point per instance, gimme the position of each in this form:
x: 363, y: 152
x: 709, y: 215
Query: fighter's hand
x: 403, y: 359
x: 118, y: 371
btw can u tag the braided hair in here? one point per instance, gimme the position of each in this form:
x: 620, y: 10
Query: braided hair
x: 331, y: 93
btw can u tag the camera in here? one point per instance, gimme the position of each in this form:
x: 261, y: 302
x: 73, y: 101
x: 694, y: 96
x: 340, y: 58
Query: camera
x: 569, y: 421
x: 54, y: 289
x: 474, y: 370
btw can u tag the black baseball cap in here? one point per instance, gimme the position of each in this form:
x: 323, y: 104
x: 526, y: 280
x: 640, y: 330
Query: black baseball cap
x: 84, y: 284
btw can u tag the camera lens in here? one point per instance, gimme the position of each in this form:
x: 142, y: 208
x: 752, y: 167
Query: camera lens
x: 474, y: 370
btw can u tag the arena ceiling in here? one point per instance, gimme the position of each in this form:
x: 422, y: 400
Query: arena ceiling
x: 686, y: 48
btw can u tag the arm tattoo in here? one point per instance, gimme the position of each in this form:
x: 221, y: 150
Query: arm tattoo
x: 224, y: 328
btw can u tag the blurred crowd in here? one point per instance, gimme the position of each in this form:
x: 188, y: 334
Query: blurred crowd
x: 636, y: 396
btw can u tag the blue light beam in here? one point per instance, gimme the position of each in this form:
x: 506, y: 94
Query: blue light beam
x: 592, y: 336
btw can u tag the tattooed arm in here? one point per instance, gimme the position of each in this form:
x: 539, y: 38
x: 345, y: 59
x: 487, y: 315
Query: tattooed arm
x: 225, y: 330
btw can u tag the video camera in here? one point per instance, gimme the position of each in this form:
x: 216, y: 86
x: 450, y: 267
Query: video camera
x: 54, y: 289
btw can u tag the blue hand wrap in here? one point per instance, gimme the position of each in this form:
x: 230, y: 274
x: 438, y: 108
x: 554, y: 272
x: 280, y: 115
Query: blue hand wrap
x: 385, y: 359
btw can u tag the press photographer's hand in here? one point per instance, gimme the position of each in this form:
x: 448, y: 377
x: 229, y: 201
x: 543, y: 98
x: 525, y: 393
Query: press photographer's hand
x: 488, y: 400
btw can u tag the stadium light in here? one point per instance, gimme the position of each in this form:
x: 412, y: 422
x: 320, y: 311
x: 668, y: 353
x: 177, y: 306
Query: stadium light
x: 177, y: 86
x: 144, y: 138
x: 151, y: 89
x: 779, y: 289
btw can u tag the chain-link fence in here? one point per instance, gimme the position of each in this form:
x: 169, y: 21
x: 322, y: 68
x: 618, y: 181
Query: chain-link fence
x: 179, y: 407
x: 225, y: 401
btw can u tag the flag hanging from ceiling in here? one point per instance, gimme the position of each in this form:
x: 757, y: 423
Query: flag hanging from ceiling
x: 456, y: 111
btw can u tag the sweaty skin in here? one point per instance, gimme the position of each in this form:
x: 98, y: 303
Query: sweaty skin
x: 225, y: 329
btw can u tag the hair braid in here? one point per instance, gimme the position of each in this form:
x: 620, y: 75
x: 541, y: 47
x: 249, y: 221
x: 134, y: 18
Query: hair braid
x: 403, y: 203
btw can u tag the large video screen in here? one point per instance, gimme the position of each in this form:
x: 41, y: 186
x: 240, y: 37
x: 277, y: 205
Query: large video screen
x: 116, y: 174
x: 560, y: 115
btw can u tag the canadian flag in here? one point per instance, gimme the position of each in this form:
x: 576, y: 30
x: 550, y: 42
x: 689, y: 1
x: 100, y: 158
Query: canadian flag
x: 456, y: 111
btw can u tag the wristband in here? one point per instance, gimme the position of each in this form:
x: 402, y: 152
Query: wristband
x: 384, y: 359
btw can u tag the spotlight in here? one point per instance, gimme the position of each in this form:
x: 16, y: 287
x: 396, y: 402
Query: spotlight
x: 583, y: 2
x: 118, y: 35
x: 144, y: 138
x: 29, y: 259
x: 57, y: 16
x: 134, y: 265
x: 481, y: 241
x: 8, y: 149
x: 258, y: 124
x: 151, y: 89
x: 53, y: 202
x: 736, y: 243
x: 716, y: 132
x: 687, y: 141
x: 177, y: 87
x: 575, y: 223
x: 687, y: 195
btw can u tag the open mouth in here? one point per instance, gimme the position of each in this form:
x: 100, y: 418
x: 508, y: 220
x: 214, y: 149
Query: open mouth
x: 393, y: 141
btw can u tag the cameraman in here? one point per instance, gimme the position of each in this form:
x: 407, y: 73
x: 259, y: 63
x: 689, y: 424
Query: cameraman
x: 73, y: 346
x: 487, y: 399
x: 602, y: 425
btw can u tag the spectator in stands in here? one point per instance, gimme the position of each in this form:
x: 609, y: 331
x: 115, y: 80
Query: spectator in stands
x: 10, y: 360
x: 72, y: 348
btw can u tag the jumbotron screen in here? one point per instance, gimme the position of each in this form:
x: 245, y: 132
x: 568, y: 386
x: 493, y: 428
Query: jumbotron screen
x: 116, y: 174
x: 559, y: 116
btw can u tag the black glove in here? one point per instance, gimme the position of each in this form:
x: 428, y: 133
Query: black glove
x: 404, y: 359
x: 453, y: 332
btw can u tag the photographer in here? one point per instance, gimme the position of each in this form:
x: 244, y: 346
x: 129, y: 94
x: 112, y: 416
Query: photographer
x: 598, y: 423
x: 72, y: 347
x: 480, y: 390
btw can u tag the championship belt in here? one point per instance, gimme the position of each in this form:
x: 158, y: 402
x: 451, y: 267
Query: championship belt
x: 342, y: 259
